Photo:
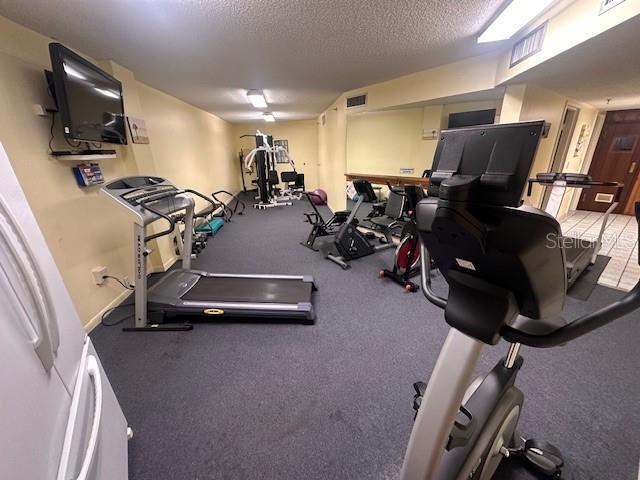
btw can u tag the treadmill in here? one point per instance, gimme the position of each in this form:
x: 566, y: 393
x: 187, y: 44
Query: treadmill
x: 579, y: 253
x: 185, y: 291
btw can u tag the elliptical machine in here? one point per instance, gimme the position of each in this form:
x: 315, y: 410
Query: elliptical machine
x: 350, y: 242
x: 497, y: 257
x: 406, y: 260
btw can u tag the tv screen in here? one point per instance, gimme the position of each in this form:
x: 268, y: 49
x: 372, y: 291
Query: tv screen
x: 470, y: 119
x: 89, y: 99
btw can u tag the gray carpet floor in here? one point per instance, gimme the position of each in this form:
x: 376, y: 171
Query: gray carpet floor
x: 251, y: 400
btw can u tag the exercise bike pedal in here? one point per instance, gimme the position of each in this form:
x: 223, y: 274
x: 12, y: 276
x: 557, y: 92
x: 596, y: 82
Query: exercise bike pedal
x: 420, y: 388
x: 542, y: 457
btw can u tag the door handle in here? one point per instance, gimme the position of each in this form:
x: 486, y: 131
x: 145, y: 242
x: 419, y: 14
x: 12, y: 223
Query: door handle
x: 93, y: 369
x: 45, y: 338
x: 632, y: 168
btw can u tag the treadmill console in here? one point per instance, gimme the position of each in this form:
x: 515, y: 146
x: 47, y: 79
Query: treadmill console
x: 146, y: 196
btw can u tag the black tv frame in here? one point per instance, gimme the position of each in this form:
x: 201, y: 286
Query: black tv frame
x: 472, y: 118
x: 57, y: 52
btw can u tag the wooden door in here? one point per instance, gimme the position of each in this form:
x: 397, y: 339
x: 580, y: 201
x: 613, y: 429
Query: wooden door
x: 616, y: 159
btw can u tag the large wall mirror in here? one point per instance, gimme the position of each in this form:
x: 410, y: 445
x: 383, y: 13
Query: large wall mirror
x: 401, y: 141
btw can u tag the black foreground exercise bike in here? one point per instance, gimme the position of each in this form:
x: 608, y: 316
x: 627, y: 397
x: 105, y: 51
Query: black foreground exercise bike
x: 505, y: 268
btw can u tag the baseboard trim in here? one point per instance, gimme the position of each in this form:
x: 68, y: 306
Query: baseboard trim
x: 95, y: 321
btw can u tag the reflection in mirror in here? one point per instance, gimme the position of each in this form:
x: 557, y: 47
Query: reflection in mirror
x: 401, y: 141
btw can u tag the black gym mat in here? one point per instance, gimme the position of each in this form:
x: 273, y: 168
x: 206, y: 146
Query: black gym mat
x: 249, y: 290
x: 584, y: 285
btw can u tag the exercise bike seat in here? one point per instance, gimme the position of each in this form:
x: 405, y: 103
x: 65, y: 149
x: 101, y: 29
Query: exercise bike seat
x: 538, y: 326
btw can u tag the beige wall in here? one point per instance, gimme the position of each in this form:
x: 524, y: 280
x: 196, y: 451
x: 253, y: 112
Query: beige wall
x: 385, y: 142
x: 470, y: 75
x: 532, y: 102
x: 332, y: 153
x: 190, y: 146
x: 84, y: 229
x: 302, y: 136
x: 543, y: 104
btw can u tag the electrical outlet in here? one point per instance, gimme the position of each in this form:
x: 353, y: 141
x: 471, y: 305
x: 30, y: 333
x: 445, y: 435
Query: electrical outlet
x: 98, y: 275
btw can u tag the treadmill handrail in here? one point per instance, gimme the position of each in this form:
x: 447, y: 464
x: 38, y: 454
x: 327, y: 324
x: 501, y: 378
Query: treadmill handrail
x: 573, y: 184
x: 170, y: 229
x: 231, y: 211
x: 170, y: 220
x: 201, y: 195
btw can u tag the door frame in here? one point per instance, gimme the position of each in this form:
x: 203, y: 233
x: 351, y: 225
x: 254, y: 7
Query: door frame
x: 563, y: 144
x: 596, y: 131
x: 629, y: 208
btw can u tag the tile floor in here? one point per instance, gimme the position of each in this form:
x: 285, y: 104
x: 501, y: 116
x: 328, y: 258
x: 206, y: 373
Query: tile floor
x: 620, y: 242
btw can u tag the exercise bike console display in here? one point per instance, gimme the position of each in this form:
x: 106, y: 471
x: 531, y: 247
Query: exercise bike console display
x: 186, y: 291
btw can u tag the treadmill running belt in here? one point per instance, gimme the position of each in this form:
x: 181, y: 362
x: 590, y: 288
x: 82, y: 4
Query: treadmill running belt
x: 256, y: 290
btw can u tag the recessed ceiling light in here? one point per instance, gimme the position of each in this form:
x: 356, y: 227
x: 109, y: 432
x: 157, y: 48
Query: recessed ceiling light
x: 517, y: 14
x: 268, y: 117
x: 256, y: 97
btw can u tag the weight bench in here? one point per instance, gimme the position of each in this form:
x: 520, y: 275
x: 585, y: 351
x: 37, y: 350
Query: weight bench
x: 294, y: 182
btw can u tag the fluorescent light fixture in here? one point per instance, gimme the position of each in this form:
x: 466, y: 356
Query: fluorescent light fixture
x: 107, y: 93
x: 517, y: 14
x: 256, y: 97
x: 268, y: 117
x: 72, y: 72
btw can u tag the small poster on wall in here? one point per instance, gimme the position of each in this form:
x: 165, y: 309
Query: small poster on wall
x: 282, y: 157
x: 138, y: 130
x: 584, y: 133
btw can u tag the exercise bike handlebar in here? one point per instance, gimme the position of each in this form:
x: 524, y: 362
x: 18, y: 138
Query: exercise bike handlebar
x: 572, y: 330
x: 425, y: 279
x: 398, y: 189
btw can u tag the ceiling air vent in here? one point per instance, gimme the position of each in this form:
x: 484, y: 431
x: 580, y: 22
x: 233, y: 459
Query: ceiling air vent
x: 529, y: 45
x: 608, y: 5
x: 357, y: 101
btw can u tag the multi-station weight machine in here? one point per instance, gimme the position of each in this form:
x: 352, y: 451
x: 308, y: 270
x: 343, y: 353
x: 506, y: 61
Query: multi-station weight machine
x: 267, y: 179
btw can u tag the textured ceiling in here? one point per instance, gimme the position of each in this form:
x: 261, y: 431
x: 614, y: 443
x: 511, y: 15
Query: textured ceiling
x: 303, y: 53
x: 605, y: 67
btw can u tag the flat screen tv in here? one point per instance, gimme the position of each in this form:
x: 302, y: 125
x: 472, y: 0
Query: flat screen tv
x: 89, y: 99
x: 471, y: 119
